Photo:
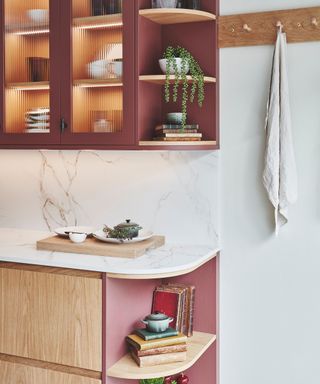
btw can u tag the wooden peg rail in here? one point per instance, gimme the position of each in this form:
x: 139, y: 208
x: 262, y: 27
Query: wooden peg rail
x: 300, y: 25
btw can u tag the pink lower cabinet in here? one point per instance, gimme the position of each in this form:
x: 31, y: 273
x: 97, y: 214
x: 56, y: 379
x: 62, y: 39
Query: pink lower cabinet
x: 66, y: 326
x: 127, y: 301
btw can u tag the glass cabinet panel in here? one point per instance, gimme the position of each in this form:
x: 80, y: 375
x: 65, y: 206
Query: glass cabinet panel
x: 27, y: 67
x: 97, y: 66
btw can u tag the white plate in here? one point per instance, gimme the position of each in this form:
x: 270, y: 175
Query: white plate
x: 143, y: 235
x: 62, y: 231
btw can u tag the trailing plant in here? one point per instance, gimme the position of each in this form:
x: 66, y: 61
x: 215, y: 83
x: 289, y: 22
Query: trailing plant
x: 196, y: 73
x: 158, y: 380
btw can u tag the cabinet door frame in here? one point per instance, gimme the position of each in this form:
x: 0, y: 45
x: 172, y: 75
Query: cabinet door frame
x: 127, y: 136
x: 30, y: 140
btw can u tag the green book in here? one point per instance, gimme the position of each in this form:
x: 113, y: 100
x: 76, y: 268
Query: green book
x: 146, y: 335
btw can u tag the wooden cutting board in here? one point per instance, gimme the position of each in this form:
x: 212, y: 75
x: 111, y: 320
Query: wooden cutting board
x: 93, y: 246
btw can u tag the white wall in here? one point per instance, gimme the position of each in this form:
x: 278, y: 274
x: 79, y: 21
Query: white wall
x: 270, y: 307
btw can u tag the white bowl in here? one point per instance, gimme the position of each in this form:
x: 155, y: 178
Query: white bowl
x: 168, y: 3
x: 38, y: 15
x: 77, y: 237
x: 97, y: 69
x: 163, y: 66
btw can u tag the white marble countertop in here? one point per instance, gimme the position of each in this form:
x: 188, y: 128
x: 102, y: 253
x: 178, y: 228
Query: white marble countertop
x: 19, y: 246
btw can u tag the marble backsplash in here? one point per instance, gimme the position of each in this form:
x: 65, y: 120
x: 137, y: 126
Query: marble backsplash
x: 172, y: 193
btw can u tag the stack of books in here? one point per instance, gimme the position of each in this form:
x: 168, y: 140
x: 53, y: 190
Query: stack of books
x: 177, y: 301
x: 149, y: 348
x: 175, y: 132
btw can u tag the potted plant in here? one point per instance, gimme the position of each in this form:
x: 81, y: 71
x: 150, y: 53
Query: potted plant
x: 179, y: 62
x: 159, y: 380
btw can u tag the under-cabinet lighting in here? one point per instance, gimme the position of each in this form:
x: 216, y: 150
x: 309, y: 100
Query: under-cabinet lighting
x: 84, y: 85
x: 98, y: 26
x: 35, y: 32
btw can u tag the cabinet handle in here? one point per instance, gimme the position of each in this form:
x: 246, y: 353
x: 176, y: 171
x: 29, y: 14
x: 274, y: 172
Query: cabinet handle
x: 63, y: 125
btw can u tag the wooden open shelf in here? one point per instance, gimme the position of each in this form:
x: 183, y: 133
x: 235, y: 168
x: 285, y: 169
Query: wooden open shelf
x: 155, y: 143
x: 160, y: 79
x: 126, y: 368
x: 29, y: 86
x: 98, y: 22
x: 96, y: 83
x: 28, y: 29
x: 176, y: 15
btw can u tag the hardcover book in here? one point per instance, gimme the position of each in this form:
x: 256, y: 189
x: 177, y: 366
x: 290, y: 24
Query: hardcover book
x: 177, y: 126
x: 146, y: 335
x: 168, y: 303
x: 166, y: 358
x: 177, y: 138
x: 157, y: 351
x: 142, y: 345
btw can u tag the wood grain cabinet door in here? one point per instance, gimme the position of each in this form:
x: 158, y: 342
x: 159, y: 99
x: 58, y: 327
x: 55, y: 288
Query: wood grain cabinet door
x: 11, y: 373
x: 51, y: 317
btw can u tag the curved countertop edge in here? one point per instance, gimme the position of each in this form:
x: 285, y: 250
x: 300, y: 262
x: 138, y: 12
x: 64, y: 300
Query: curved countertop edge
x: 18, y: 246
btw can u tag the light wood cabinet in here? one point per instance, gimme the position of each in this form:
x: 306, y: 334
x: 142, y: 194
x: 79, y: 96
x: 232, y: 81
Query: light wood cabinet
x: 12, y: 373
x: 51, y: 317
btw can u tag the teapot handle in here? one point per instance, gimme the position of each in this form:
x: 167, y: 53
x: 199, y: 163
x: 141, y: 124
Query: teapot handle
x: 144, y: 322
x: 171, y: 319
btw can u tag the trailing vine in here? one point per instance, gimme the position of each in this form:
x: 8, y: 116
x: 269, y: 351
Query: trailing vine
x: 196, y: 73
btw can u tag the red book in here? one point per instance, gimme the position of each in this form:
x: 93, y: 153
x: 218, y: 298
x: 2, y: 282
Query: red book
x: 167, y: 303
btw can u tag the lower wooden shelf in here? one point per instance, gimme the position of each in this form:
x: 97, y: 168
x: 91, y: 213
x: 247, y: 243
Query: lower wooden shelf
x: 156, y: 143
x: 126, y: 368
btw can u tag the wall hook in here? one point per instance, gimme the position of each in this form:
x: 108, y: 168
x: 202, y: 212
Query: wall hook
x: 314, y: 21
x: 279, y: 25
x: 247, y: 28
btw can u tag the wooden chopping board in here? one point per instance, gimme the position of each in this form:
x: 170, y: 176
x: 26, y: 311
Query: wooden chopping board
x: 93, y: 246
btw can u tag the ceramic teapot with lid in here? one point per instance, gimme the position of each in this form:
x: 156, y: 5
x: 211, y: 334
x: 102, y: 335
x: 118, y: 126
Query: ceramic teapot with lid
x: 157, y: 322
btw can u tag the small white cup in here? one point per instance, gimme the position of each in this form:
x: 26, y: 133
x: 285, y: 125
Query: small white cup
x: 77, y: 237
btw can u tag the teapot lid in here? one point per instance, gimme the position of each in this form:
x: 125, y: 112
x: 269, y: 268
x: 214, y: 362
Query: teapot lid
x: 127, y: 224
x: 157, y: 316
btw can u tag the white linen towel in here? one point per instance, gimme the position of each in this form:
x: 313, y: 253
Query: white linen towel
x: 280, y: 175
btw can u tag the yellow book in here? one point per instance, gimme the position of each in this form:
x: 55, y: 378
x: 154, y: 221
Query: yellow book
x: 143, y: 345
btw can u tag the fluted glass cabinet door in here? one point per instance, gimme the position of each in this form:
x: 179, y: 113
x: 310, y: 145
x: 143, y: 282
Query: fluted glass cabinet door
x: 30, y: 75
x: 98, y: 101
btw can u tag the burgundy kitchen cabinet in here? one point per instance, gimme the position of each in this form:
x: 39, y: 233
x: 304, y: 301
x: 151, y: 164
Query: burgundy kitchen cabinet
x: 56, y: 90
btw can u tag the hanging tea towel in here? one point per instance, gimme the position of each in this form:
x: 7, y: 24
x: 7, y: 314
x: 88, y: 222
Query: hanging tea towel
x: 280, y: 175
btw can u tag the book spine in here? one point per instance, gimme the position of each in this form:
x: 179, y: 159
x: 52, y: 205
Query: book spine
x: 185, y: 135
x: 177, y: 139
x: 150, y: 361
x: 155, y: 336
x: 161, y: 350
x: 191, y: 310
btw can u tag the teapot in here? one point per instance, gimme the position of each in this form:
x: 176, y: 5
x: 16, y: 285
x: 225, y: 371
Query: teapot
x: 157, y: 322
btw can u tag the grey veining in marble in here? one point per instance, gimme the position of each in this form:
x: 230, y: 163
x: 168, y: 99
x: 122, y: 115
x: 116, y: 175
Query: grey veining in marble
x: 171, y: 193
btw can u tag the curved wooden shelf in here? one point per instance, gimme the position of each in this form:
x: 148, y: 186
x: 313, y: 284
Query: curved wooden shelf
x: 160, y: 79
x: 176, y: 15
x: 126, y: 368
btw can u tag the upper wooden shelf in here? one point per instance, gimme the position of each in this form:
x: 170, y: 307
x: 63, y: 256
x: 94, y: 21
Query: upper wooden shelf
x: 176, y: 15
x: 160, y: 79
x: 98, y: 22
x: 126, y: 368
x: 29, y: 86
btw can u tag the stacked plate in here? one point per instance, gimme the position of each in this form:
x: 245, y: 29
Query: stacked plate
x: 37, y: 120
